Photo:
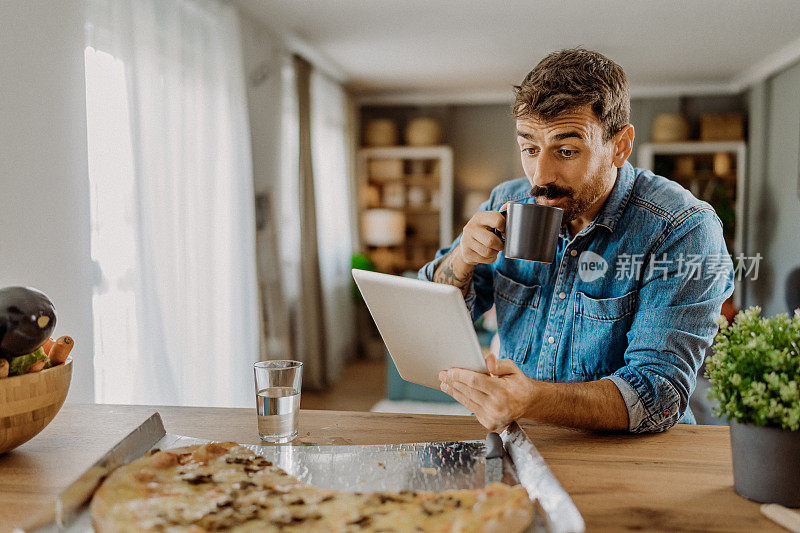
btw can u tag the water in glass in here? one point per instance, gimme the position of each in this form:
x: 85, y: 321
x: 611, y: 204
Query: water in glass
x: 277, y: 413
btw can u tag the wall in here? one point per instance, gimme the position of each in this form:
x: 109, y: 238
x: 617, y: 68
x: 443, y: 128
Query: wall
x: 485, y: 153
x: 484, y: 145
x: 644, y: 111
x: 482, y: 137
x: 774, y: 204
x: 754, y: 235
x: 44, y: 219
x: 484, y: 142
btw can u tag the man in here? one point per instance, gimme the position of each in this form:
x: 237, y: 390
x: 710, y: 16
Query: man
x: 611, y: 335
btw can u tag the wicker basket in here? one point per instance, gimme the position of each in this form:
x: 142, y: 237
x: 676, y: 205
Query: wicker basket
x: 29, y: 402
x: 724, y: 127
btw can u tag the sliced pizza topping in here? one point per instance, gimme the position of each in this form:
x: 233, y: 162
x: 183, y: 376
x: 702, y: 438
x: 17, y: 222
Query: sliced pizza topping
x: 224, y: 486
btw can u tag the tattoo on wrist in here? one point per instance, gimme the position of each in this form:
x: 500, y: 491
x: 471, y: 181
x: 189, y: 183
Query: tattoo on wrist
x: 446, y: 274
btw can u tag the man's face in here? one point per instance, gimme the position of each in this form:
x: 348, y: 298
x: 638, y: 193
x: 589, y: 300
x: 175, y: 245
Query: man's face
x: 566, y: 161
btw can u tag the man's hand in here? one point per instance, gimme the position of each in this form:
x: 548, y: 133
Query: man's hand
x: 507, y: 395
x: 496, y: 399
x: 478, y: 244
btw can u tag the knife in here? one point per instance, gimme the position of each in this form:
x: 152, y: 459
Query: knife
x: 782, y: 516
x: 64, y: 509
x: 494, y: 458
x: 553, y: 503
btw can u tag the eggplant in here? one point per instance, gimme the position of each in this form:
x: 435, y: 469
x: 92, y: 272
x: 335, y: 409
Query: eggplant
x: 27, y: 319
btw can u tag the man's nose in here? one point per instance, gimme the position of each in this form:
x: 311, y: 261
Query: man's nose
x: 544, y: 172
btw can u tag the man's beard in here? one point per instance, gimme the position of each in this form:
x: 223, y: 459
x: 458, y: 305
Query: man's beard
x: 575, y: 203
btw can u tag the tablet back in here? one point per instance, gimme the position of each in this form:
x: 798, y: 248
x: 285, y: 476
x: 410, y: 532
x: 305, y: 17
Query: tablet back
x: 425, y: 325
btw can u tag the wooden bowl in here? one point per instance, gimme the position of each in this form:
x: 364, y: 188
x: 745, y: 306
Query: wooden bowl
x: 29, y: 402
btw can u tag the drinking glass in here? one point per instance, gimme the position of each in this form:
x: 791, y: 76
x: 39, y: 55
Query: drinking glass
x: 277, y: 399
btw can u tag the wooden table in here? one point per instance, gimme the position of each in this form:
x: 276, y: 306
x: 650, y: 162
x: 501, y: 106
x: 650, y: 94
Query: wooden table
x: 680, y: 480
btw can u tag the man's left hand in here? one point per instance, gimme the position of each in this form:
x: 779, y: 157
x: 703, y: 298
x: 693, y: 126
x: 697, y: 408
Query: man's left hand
x: 497, y: 398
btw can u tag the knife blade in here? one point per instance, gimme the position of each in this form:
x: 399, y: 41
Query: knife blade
x: 494, y: 458
x: 64, y: 509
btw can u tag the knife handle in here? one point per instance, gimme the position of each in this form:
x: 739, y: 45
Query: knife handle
x: 494, y: 446
x: 782, y: 515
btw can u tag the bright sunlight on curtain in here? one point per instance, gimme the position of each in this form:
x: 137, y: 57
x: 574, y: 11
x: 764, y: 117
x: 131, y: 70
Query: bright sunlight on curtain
x: 173, y: 232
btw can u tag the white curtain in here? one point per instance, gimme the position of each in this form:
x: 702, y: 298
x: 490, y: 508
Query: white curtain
x: 176, y: 316
x: 333, y: 210
x: 330, y: 144
x: 288, y: 187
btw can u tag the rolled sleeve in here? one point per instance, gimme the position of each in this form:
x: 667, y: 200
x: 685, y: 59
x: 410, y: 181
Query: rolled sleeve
x: 426, y: 272
x: 653, y: 403
x: 674, y: 324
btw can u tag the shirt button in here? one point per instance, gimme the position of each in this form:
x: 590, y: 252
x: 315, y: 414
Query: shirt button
x: 562, y: 295
x: 573, y: 253
x: 551, y: 340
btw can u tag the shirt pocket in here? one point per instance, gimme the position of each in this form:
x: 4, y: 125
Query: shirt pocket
x: 516, y: 305
x: 600, y: 333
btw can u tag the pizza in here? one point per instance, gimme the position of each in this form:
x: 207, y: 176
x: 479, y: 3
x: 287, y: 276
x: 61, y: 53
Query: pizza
x: 224, y: 486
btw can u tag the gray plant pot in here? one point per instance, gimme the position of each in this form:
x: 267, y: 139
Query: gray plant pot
x: 766, y: 464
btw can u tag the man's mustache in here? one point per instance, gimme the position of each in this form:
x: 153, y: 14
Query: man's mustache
x: 550, y: 191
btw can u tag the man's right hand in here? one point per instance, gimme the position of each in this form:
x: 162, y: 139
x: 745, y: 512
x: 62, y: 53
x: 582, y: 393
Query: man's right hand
x: 479, y: 244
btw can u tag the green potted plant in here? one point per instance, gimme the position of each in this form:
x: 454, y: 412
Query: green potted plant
x: 755, y: 375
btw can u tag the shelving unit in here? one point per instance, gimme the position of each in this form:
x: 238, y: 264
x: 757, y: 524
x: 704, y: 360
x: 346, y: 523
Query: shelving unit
x: 421, y: 190
x: 723, y: 190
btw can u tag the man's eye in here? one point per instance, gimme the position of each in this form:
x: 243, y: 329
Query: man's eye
x: 567, y: 153
x: 529, y: 151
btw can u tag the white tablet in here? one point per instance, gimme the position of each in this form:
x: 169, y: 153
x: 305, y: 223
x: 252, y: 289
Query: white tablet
x: 425, y: 325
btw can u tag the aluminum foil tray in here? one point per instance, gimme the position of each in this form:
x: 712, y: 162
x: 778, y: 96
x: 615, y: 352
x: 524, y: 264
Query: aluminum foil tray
x: 434, y: 466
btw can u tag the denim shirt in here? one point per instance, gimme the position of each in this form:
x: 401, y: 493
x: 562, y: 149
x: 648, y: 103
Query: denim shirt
x: 631, y: 298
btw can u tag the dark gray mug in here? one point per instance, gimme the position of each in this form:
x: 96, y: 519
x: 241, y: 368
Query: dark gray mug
x: 532, y: 231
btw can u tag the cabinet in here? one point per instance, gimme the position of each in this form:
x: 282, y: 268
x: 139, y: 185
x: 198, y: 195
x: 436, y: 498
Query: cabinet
x: 712, y: 171
x: 405, y: 204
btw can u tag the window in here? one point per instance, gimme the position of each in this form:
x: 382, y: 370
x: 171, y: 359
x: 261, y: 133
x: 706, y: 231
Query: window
x: 113, y: 241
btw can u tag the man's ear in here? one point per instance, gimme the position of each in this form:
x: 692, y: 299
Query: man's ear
x: 623, y: 145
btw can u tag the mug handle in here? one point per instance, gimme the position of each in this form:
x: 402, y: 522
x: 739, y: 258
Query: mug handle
x: 503, y: 211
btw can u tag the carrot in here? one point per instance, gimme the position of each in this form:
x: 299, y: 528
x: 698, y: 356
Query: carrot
x: 60, y: 350
x: 48, y: 344
x: 4, y: 368
x: 36, y: 367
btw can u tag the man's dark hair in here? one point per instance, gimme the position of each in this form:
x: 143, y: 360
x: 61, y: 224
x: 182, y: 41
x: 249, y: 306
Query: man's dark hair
x: 568, y: 79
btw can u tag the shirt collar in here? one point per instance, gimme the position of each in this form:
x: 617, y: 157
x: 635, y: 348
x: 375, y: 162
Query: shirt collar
x: 617, y: 200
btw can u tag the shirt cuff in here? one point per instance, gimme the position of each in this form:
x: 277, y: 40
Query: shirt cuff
x: 656, y: 408
x: 636, y: 410
x: 426, y: 272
